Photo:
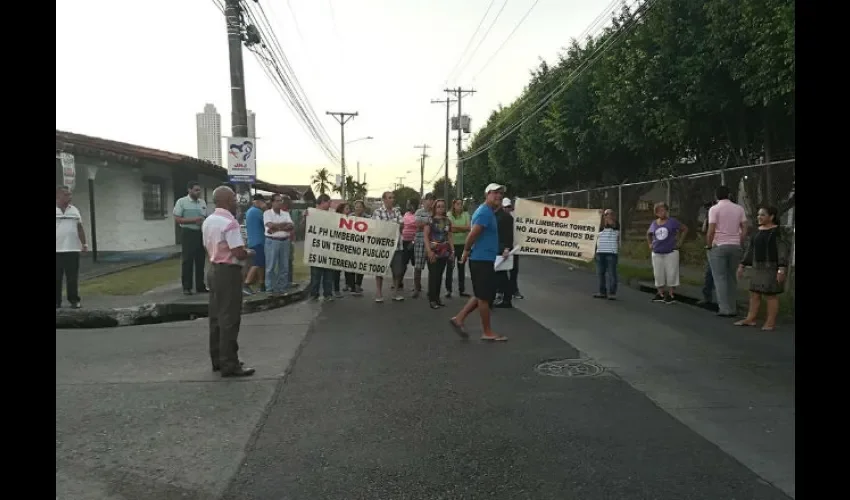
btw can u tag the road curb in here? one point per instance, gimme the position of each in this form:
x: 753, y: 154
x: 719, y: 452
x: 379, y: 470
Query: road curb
x: 165, y: 312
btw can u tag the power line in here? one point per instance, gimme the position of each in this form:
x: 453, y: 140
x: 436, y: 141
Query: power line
x: 481, y: 41
x: 469, y: 43
x: 642, y: 10
x: 505, y: 42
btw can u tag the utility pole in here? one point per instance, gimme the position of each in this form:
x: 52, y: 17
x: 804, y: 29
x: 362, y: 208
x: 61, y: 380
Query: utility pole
x: 342, y: 117
x: 400, y: 183
x: 459, y: 92
x: 238, y: 111
x: 448, y: 102
x: 358, y: 171
x: 424, y: 148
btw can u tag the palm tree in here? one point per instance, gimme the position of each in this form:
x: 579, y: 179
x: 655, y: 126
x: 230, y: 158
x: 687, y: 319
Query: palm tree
x: 321, y: 181
x: 360, y: 190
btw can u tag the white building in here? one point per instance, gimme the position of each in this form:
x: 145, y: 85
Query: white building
x: 209, y: 135
x: 126, y: 193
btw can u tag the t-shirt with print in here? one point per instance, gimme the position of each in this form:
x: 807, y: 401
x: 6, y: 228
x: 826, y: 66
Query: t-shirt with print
x: 461, y: 220
x: 664, y: 235
x: 486, y: 247
x: 440, y: 228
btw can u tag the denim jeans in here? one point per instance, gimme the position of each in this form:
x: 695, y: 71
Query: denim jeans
x: 606, y: 269
x: 321, y: 277
x: 277, y: 265
x: 724, y: 267
x: 708, y: 281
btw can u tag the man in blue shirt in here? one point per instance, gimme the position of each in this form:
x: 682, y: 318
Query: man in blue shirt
x: 481, y: 250
x: 256, y: 231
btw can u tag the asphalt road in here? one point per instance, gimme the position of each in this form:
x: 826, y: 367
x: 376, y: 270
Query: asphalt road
x: 385, y: 402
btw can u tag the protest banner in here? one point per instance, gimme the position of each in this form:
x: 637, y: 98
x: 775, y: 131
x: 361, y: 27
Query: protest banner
x: 352, y: 244
x: 553, y: 231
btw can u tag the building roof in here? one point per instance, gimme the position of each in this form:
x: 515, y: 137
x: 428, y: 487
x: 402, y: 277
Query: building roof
x: 132, y: 154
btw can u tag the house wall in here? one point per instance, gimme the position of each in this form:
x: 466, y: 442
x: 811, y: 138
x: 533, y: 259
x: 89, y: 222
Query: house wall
x: 121, y: 222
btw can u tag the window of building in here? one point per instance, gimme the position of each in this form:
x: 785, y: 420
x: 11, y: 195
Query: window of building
x: 153, y: 198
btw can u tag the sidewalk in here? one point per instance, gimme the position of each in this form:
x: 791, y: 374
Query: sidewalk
x: 139, y: 414
x: 386, y: 402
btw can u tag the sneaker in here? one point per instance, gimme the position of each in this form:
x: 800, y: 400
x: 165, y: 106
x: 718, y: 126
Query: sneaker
x: 612, y: 297
x: 448, y: 295
x: 669, y: 299
x: 75, y: 305
x: 518, y: 296
x: 658, y: 297
x: 600, y: 296
x: 399, y: 298
x: 329, y: 298
x: 338, y: 295
x: 246, y: 290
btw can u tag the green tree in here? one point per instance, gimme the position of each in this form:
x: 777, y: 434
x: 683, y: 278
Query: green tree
x: 439, y: 188
x: 403, y: 195
x: 321, y: 181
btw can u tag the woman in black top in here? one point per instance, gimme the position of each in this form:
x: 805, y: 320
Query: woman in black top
x: 767, y: 255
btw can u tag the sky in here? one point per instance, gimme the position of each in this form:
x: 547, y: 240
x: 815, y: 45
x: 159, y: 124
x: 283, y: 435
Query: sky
x: 138, y: 72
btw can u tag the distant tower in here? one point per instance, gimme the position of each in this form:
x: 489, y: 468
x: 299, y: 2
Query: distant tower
x: 252, y: 124
x: 209, y: 134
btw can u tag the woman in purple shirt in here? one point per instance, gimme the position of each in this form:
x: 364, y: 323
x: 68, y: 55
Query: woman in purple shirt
x: 664, y: 238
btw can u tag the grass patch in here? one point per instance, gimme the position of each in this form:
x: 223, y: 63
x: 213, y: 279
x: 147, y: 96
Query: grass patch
x: 138, y: 280
x: 134, y: 281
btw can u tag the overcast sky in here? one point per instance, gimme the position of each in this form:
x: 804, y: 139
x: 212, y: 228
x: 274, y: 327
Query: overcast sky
x: 138, y: 72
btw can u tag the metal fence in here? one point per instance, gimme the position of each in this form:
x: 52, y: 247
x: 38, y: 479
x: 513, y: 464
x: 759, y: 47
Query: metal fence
x: 688, y: 196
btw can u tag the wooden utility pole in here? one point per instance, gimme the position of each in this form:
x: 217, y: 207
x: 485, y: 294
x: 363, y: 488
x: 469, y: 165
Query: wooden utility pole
x: 459, y: 92
x: 448, y: 102
x: 342, y: 117
x: 424, y: 148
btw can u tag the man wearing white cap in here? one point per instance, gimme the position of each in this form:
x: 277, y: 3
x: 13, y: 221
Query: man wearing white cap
x: 481, y: 249
x: 504, y: 288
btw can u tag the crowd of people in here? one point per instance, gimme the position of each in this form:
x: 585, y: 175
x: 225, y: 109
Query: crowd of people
x: 730, y: 247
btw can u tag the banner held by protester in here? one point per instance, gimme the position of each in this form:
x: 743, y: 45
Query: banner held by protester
x: 352, y: 244
x: 553, y: 231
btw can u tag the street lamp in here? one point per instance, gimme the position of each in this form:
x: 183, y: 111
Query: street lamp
x: 367, y: 138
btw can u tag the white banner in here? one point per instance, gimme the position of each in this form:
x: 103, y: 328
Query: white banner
x: 352, y: 244
x: 553, y: 231
x: 241, y: 160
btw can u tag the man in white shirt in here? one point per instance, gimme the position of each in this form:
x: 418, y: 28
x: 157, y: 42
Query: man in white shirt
x: 70, y: 241
x: 278, y: 225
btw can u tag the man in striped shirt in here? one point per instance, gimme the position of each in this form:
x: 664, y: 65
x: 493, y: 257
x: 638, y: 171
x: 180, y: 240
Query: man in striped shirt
x: 607, y: 251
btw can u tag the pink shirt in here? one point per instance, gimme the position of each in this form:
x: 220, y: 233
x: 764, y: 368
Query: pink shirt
x: 221, y: 234
x: 409, y: 231
x: 727, y: 217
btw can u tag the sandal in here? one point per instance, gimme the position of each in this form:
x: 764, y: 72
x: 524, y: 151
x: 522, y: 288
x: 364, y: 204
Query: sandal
x: 768, y: 328
x: 495, y: 338
x: 434, y: 305
x: 744, y: 322
x: 458, y: 329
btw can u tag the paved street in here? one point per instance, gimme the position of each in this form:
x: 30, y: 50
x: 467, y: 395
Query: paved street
x: 385, y: 402
x: 392, y: 405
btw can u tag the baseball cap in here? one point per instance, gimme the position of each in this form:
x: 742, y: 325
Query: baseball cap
x: 506, y: 202
x: 493, y: 187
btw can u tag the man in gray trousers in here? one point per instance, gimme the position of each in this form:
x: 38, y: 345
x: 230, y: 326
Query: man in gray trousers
x: 727, y: 231
x: 225, y: 247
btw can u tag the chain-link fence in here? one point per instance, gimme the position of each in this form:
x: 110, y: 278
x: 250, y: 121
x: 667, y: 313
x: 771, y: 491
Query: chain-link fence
x: 689, y: 198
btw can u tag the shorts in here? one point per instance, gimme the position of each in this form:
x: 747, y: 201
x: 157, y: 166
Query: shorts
x: 665, y: 268
x: 407, y: 253
x: 484, y: 282
x: 398, y: 264
x: 419, y: 256
x: 259, y: 259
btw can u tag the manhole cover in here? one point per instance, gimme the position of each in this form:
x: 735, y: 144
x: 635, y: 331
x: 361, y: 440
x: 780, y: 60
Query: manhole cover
x: 569, y: 368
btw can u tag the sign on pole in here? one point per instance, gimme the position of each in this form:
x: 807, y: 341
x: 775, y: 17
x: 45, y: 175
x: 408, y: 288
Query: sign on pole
x: 352, y: 244
x: 554, y: 231
x: 69, y: 170
x: 241, y: 160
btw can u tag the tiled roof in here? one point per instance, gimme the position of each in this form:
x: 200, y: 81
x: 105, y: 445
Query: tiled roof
x: 132, y: 154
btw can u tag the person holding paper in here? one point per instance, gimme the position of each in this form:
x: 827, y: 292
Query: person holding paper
x: 481, y: 249
x: 505, y: 291
x: 438, y: 250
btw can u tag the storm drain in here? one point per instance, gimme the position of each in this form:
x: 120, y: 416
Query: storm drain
x: 569, y: 368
